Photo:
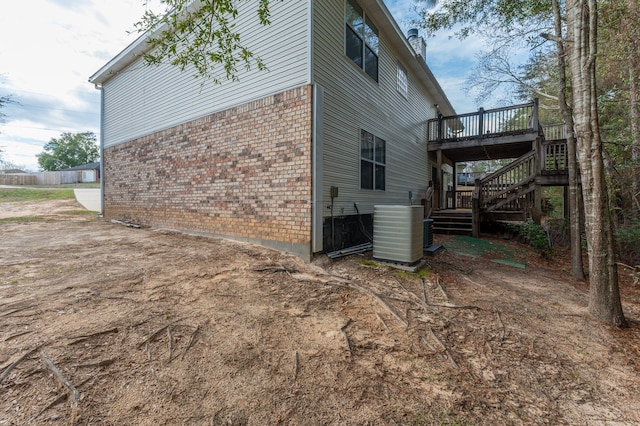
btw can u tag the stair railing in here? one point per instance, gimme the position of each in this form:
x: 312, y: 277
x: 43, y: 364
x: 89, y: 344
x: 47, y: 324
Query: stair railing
x: 504, y: 187
x: 555, y: 156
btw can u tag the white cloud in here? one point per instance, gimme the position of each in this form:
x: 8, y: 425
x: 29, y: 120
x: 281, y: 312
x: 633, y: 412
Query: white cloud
x: 49, y: 49
x: 449, y: 59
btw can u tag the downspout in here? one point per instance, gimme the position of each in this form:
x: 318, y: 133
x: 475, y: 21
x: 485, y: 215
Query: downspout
x: 99, y: 87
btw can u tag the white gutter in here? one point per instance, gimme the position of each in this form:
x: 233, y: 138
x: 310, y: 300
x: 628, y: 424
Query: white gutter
x: 101, y: 149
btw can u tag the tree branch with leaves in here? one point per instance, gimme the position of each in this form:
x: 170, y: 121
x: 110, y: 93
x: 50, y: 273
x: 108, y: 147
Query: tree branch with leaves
x: 69, y: 150
x: 201, y: 36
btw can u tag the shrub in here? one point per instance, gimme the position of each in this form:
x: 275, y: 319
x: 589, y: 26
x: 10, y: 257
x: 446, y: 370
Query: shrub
x: 534, y: 235
x: 628, y: 242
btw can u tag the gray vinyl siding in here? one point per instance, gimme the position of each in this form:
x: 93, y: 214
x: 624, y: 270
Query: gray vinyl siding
x: 141, y: 100
x: 352, y: 102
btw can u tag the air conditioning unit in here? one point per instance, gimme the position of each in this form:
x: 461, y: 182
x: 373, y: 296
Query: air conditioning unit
x: 427, y: 240
x: 398, y: 233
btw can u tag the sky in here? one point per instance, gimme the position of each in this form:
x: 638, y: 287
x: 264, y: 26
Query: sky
x: 50, y: 48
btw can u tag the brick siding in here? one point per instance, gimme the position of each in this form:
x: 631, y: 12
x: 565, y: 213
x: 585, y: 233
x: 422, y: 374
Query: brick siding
x: 245, y: 172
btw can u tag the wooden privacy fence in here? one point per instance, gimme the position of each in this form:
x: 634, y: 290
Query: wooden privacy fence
x: 48, y: 178
x: 57, y: 178
x: 17, y: 179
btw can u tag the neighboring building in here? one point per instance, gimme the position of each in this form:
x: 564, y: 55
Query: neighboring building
x: 90, y: 172
x: 294, y: 158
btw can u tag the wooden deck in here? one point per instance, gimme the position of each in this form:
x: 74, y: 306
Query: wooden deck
x: 539, y: 153
x: 494, y: 134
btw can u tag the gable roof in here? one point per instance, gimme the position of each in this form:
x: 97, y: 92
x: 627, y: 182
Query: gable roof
x: 376, y: 8
x: 136, y: 49
x: 386, y: 22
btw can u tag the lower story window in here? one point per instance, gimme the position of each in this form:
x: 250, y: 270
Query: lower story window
x: 372, y: 161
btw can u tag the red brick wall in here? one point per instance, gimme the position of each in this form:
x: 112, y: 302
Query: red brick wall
x: 245, y: 172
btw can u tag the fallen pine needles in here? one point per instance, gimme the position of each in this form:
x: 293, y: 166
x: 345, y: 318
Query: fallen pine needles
x: 295, y: 365
x: 191, y: 341
x: 83, y: 337
x: 61, y: 378
x: 6, y: 372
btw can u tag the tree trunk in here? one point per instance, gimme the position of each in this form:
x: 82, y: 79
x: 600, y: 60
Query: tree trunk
x: 604, y: 295
x: 634, y: 106
x: 577, y: 270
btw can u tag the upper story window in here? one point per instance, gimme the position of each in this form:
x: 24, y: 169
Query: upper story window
x: 403, y: 86
x: 373, y: 161
x: 361, y: 39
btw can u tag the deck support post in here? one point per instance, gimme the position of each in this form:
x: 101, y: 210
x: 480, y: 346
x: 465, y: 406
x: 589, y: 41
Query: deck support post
x: 439, y: 184
x: 536, y: 214
x: 475, y: 210
x: 455, y: 186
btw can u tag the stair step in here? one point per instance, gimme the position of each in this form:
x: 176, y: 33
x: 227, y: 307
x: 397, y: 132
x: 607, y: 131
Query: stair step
x: 441, y: 224
x: 451, y: 213
x: 449, y: 230
x: 440, y: 218
x: 452, y: 222
x: 466, y: 229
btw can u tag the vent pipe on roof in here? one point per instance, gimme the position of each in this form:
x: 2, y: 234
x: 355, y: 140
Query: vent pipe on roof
x: 412, y: 34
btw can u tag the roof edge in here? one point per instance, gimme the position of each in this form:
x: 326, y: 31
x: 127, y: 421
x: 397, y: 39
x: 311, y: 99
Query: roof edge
x: 133, y: 51
x: 137, y: 48
x: 418, y: 62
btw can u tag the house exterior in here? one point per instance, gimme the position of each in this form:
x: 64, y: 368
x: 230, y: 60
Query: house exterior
x: 294, y: 158
x: 90, y: 172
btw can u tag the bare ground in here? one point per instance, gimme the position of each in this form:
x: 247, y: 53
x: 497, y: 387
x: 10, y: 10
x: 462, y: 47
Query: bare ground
x: 154, y: 327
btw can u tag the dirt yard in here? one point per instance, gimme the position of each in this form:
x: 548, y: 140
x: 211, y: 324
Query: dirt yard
x: 151, y: 327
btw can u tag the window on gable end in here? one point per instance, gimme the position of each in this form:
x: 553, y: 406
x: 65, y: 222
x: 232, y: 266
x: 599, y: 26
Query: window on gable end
x: 361, y: 39
x: 403, y: 85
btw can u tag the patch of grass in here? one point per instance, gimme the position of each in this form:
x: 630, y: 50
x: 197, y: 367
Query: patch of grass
x: 456, y: 421
x: 82, y: 212
x: 21, y: 219
x: 25, y: 194
x: 81, y: 185
x: 405, y: 274
x: 423, y: 272
x: 367, y: 263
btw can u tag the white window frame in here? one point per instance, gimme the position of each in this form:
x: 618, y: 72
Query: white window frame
x: 403, y: 81
x: 367, y: 33
x: 377, y: 161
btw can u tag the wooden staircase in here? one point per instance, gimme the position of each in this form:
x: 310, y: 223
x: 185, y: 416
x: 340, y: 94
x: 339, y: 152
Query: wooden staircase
x: 511, y: 187
x: 512, y: 193
x: 452, y: 222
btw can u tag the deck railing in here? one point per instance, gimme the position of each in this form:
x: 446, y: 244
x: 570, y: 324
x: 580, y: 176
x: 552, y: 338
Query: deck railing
x: 554, y: 132
x: 459, y: 199
x: 497, y: 187
x: 484, y: 123
x: 555, y: 156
